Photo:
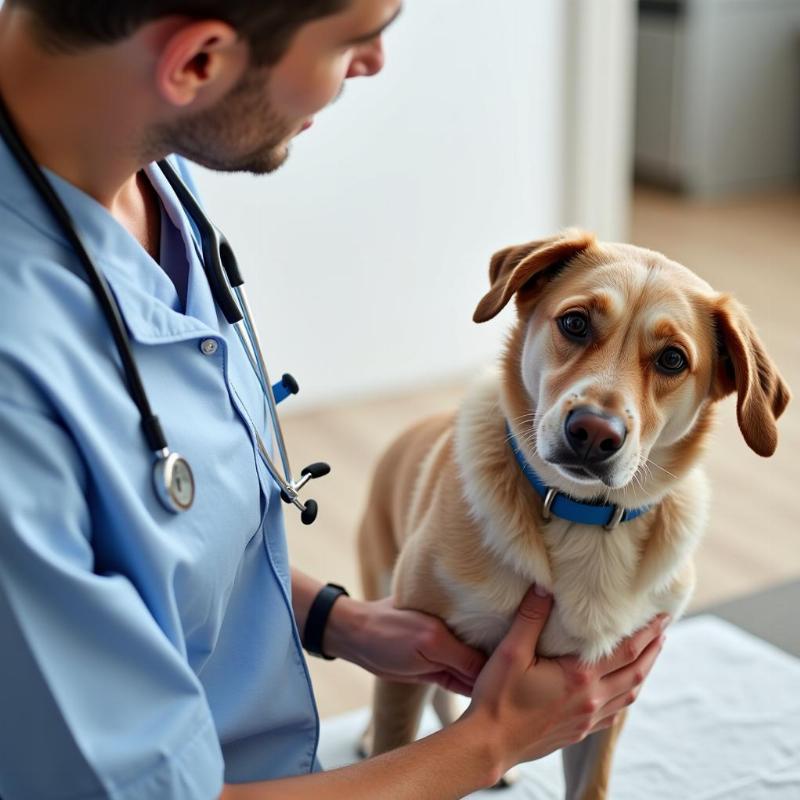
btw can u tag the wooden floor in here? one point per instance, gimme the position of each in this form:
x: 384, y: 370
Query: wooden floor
x: 750, y: 247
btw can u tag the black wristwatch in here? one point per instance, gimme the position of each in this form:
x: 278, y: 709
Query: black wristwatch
x: 317, y: 618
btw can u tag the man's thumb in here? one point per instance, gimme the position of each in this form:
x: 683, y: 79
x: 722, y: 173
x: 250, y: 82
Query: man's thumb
x: 530, y: 619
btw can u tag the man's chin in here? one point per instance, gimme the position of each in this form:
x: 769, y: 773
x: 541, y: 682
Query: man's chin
x: 271, y: 161
x: 260, y: 163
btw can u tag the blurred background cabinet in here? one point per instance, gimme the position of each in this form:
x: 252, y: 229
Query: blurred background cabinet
x: 718, y: 94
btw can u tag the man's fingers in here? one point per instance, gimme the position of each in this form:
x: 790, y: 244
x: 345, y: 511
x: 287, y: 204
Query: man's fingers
x: 606, y: 722
x: 450, y: 682
x: 443, y: 649
x: 528, y: 624
x: 628, y: 650
x: 612, y: 711
x: 628, y: 681
x: 462, y: 659
x: 632, y: 675
x: 447, y: 680
x: 618, y: 704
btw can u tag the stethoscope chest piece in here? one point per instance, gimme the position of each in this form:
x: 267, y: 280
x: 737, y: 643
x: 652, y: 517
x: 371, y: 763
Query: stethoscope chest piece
x: 174, y: 482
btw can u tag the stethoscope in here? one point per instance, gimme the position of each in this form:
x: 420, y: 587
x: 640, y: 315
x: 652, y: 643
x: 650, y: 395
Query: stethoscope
x: 172, y: 475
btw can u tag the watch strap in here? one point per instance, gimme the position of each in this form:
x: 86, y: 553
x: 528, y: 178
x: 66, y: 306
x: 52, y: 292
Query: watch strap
x: 317, y: 618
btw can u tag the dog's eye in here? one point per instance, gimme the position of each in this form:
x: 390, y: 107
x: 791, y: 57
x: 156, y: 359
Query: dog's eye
x: 671, y: 361
x: 574, y: 325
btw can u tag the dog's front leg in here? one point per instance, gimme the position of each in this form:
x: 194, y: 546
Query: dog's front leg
x: 396, y: 711
x: 587, y: 764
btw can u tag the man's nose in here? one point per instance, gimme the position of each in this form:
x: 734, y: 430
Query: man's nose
x: 593, y: 435
x: 368, y: 61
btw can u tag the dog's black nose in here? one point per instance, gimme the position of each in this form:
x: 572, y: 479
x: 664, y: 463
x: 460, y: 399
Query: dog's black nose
x: 594, y: 436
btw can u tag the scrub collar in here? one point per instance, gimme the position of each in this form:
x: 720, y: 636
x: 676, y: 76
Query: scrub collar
x: 143, y: 290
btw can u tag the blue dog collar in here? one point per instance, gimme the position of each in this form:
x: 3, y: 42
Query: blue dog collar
x: 560, y: 505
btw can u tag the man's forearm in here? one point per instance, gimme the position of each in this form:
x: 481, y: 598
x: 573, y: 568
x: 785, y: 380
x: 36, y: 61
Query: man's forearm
x: 343, y: 621
x: 304, y: 590
x: 447, y: 765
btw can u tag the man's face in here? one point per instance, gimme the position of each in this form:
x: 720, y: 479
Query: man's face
x: 250, y: 129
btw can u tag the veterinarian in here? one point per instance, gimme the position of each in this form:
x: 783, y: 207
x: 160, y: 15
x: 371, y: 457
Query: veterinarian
x: 153, y: 654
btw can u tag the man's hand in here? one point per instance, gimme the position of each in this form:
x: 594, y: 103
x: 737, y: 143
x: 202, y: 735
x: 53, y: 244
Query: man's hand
x: 527, y: 706
x: 401, y: 645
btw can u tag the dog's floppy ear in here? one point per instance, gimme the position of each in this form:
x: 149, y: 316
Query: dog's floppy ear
x: 518, y: 267
x: 745, y: 367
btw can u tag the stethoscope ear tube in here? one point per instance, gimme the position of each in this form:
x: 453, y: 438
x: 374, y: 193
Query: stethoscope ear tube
x: 316, y: 470
x: 309, y: 513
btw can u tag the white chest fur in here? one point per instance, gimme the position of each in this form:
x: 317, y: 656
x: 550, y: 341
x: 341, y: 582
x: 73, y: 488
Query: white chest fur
x: 599, y: 595
x: 596, y: 601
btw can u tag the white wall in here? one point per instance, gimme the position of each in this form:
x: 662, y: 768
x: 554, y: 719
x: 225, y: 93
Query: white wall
x: 367, y: 253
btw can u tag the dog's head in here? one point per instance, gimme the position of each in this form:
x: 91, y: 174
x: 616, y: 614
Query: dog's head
x: 618, y: 355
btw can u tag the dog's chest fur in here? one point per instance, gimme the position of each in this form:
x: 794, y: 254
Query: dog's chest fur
x: 602, y: 589
x: 591, y: 581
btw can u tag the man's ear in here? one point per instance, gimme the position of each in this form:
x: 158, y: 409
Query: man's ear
x: 198, y: 59
x: 745, y: 367
x: 521, y: 267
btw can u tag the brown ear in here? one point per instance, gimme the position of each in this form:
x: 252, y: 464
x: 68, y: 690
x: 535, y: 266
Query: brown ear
x: 745, y: 367
x: 519, y: 266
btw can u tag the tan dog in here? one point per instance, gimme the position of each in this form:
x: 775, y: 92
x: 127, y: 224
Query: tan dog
x: 608, y: 385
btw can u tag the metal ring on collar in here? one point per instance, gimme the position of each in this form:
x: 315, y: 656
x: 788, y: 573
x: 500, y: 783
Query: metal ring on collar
x: 549, y: 499
x: 616, y: 518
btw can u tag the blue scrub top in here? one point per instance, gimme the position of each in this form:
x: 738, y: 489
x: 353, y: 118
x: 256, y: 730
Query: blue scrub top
x: 143, y: 654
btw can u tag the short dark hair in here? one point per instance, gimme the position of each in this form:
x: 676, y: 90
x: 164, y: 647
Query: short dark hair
x: 267, y: 26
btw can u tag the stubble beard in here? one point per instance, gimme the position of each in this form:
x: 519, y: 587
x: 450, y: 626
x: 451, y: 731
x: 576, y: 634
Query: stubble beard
x: 242, y: 133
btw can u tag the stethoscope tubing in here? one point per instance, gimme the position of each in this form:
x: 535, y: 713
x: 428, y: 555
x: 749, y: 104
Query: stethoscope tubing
x: 150, y: 423
x: 255, y: 343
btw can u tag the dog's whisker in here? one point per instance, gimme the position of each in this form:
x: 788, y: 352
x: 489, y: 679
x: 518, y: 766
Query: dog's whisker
x: 529, y: 440
x: 525, y: 420
x: 650, y: 461
x: 643, y: 474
